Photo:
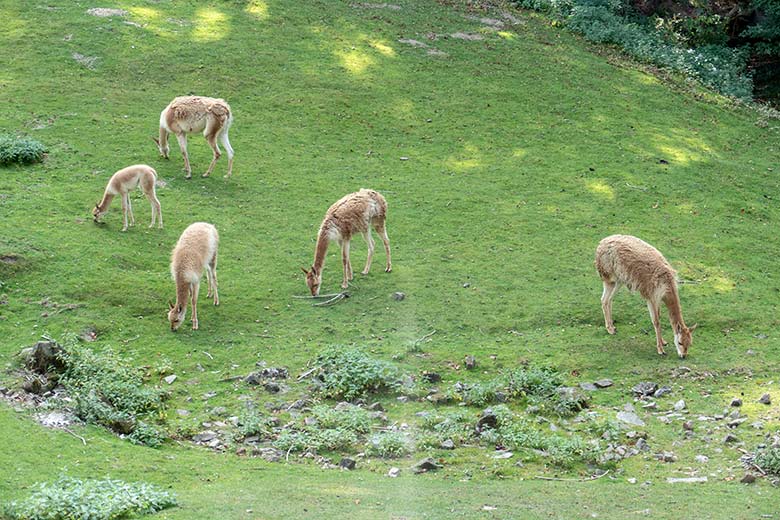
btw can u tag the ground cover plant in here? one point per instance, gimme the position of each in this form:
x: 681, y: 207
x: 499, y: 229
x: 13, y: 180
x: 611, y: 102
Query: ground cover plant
x: 20, y: 150
x: 506, y: 149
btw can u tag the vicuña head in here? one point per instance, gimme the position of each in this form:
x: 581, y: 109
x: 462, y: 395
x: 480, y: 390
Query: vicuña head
x: 175, y: 315
x: 683, y: 338
x: 313, y: 280
x: 97, y: 212
x: 164, y: 149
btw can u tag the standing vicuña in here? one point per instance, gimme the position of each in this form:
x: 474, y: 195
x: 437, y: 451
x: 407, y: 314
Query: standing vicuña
x: 188, y: 114
x: 627, y: 260
x: 121, y: 183
x: 195, y: 251
x: 353, y: 213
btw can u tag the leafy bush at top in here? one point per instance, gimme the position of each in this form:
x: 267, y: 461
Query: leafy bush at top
x: 350, y: 417
x: 349, y: 373
x: 74, y: 499
x: 533, y: 381
x: 108, y: 392
x: 251, y: 422
x: 388, y: 445
x: 20, y: 150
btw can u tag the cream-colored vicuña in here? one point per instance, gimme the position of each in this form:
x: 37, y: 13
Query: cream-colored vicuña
x: 124, y: 181
x: 188, y: 114
x: 627, y: 260
x: 353, y: 213
x: 195, y: 252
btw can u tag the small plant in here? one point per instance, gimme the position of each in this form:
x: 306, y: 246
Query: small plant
x: 768, y: 459
x: 349, y: 373
x: 251, y: 423
x: 20, y: 150
x: 388, y: 445
x: 535, y: 381
x: 146, y: 435
x: 350, y: 417
x: 70, y: 498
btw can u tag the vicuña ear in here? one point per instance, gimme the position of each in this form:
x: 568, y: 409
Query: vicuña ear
x: 156, y: 141
x: 313, y: 271
x: 304, y: 270
x: 693, y: 327
x: 179, y: 309
x: 170, y: 305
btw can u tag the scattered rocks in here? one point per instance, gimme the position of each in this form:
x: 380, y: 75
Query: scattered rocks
x: 206, y: 436
x: 43, y: 357
x: 642, y: 445
x: 645, y: 388
x: 393, y: 472
x: 603, y: 383
x: 589, y: 387
x: 425, y: 465
x: 765, y: 399
x: 470, y: 363
x: 666, y: 456
x: 261, y: 376
x: 55, y: 419
x: 736, y: 402
x: 347, y: 463
x: 730, y: 439
x: 749, y: 478
x: 104, y: 12
x: 170, y: 379
x: 398, y: 296
x: 487, y: 420
x: 467, y: 36
x: 662, y: 391
x: 702, y: 459
x: 431, y: 377
x: 630, y: 418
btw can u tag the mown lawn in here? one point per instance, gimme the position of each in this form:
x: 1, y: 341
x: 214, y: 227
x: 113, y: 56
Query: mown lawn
x: 504, y: 161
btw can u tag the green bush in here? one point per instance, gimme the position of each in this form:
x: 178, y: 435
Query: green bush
x: 352, y: 418
x: 388, y: 445
x: 349, y: 373
x: 74, y: 499
x: 146, y: 435
x: 251, y: 422
x: 20, y: 150
x: 768, y: 459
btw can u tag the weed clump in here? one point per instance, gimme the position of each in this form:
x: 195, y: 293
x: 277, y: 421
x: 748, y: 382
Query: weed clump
x: 20, y: 150
x: 89, y: 500
x: 768, y: 459
x: 349, y: 373
x: 388, y: 445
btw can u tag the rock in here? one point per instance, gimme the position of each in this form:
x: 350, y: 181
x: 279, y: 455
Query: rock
x: 758, y: 425
x: 39, y: 384
x: 470, y: 362
x: 447, y: 445
x: 394, y: 472
x: 182, y: 412
x: 662, y: 391
x: 650, y: 406
x: 398, y: 296
x: 686, y: 480
x: 736, y: 422
x: 431, y: 377
x: 425, y: 465
x: 631, y: 480
x: 630, y: 418
x: 123, y: 426
x: 589, y: 387
x: 703, y: 459
x: 169, y: 379
x: 43, y: 357
x: 749, y: 478
x: 487, y: 420
x: 730, y: 438
x: 645, y: 388
x: 219, y: 411
x: 603, y: 383
x: 272, y: 387
x: 259, y: 377
x: 503, y: 455
x: 679, y: 405
x: 765, y: 399
x: 688, y: 426
x: 642, y: 445
x: 736, y: 402
x: 377, y: 407
x: 347, y: 463
x: 666, y: 456
x: 573, y: 395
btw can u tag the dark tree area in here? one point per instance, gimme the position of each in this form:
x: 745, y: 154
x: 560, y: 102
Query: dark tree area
x: 749, y: 25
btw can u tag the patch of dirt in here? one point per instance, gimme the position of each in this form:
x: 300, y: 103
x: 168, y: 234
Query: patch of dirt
x: 87, y: 61
x: 55, y: 419
x: 413, y: 43
x: 490, y: 22
x: 10, y: 259
x: 104, y: 12
x: 514, y: 20
x: 437, y: 52
x: 467, y: 36
x: 367, y: 5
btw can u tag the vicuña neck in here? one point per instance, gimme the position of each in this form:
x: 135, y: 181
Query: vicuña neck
x: 163, y: 137
x: 321, y: 249
x: 107, y: 198
x: 672, y: 301
x: 182, y: 292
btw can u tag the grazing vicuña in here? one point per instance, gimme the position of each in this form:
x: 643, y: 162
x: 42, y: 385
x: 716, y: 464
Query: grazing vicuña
x: 353, y: 213
x: 195, y: 252
x: 627, y: 260
x: 124, y: 181
x: 188, y: 114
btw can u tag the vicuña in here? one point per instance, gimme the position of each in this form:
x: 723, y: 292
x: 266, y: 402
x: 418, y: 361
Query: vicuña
x: 195, y: 252
x: 122, y: 183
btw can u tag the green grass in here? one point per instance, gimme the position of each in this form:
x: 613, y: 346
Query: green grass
x: 524, y: 150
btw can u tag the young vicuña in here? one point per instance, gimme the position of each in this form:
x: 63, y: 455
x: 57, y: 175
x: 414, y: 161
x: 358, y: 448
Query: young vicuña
x: 195, y: 252
x: 122, y: 183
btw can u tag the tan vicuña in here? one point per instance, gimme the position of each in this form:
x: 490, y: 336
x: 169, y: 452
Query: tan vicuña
x: 195, y: 252
x: 122, y: 183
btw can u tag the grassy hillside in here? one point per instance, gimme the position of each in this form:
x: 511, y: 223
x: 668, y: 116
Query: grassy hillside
x: 504, y: 161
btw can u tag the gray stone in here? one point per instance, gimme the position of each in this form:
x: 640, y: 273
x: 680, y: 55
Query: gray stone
x: 589, y: 387
x: 347, y: 463
x: 688, y: 426
x: 645, y: 388
x: 662, y: 391
x: 170, y: 379
x: 703, y: 459
x: 603, y: 383
x: 730, y: 438
x: 666, y: 456
x: 630, y: 418
x: 487, y: 420
x: 736, y: 402
x: 503, y: 455
x: 642, y: 445
x: 765, y: 399
x: 43, y: 357
x: 736, y: 422
x: 425, y: 465
x: 206, y: 436
x: 182, y: 412
x: 686, y: 480
x: 431, y: 377
x: 447, y: 445
x: 470, y: 362
x: 377, y: 407
x: 679, y: 405
x: 393, y: 472
x: 398, y: 296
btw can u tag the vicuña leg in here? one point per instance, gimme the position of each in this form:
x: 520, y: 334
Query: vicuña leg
x: 381, y: 230
x: 610, y: 288
x: 182, y: 138
x: 223, y: 139
x: 212, y: 268
x: 212, y: 140
x: 130, y: 210
x: 125, y: 200
x: 370, y: 242
x: 655, y: 317
x: 194, y: 300
x: 345, y: 263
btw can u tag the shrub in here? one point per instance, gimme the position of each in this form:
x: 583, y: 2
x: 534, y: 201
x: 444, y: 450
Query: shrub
x: 768, y: 459
x: 352, y: 418
x: 388, y: 445
x: 250, y: 423
x: 20, y: 150
x: 540, y: 381
x: 146, y: 435
x: 457, y: 426
x: 349, y: 373
x: 70, y: 498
